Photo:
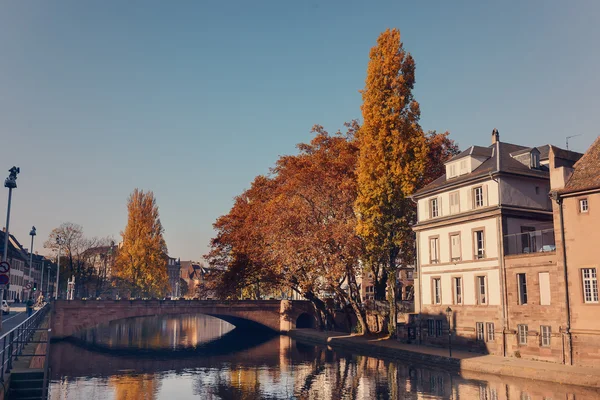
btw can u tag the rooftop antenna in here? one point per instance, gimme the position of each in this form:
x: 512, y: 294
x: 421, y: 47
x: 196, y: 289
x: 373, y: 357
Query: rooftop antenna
x: 572, y: 136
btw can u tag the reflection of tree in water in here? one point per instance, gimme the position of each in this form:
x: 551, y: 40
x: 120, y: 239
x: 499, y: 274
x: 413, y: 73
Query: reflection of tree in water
x: 135, y: 387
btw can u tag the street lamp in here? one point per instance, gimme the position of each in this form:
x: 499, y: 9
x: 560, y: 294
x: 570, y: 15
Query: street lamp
x: 449, y: 315
x: 32, y: 234
x: 48, y: 296
x: 10, y: 183
x: 59, y: 243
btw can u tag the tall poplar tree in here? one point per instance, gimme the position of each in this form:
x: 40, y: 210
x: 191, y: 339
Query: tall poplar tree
x: 392, y: 158
x: 142, y: 260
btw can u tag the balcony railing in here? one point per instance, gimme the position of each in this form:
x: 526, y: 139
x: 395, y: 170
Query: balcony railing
x: 529, y: 242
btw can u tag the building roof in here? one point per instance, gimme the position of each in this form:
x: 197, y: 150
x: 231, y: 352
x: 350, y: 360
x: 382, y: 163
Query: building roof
x: 500, y: 159
x: 15, y: 250
x: 586, y: 173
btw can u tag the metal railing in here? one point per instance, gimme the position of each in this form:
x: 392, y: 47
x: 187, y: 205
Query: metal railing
x: 14, y: 341
x: 530, y: 242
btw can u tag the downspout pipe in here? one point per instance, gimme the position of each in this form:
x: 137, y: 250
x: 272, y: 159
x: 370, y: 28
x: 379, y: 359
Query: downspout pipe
x: 559, y: 201
x: 503, y: 287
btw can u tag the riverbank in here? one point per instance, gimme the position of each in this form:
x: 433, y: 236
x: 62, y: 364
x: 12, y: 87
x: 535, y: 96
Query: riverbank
x: 460, y: 360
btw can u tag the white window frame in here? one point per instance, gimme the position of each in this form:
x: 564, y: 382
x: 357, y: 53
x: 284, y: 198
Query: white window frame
x: 434, y: 253
x: 479, y: 248
x: 590, y: 285
x: 434, y: 208
x: 545, y: 335
x: 436, y: 290
x: 458, y: 289
x: 439, y: 328
x: 522, y: 331
x: 482, y: 298
x: 454, y: 205
x: 522, y: 288
x: 583, y: 206
x: 458, y: 256
x: 480, y: 331
x: 478, y: 201
x: 490, y: 331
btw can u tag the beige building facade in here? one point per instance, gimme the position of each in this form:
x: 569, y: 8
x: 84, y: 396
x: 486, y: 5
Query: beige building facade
x: 487, y: 255
x: 576, y: 191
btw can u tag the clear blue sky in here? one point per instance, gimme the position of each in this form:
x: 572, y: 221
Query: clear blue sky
x: 192, y: 99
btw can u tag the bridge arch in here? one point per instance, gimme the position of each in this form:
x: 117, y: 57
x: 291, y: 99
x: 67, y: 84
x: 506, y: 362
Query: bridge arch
x: 305, y: 320
x: 70, y: 317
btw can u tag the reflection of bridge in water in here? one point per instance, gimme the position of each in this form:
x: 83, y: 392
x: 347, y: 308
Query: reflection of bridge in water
x: 70, y: 317
x: 314, y: 370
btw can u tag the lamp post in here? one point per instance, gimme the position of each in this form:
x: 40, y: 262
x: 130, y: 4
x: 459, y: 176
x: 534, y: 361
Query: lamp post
x: 32, y: 234
x: 449, y: 315
x: 59, y: 243
x: 10, y: 183
x: 42, y: 278
x: 48, y: 296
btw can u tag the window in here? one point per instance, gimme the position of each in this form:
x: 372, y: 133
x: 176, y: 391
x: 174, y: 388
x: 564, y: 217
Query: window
x: 437, y: 291
x: 434, y: 250
x: 430, y: 328
x: 438, y: 327
x: 583, y: 206
x: 463, y: 167
x: 479, y: 240
x: 535, y: 160
x: 454, y: 202
x: 480, y: 336
x: 455, y: 247
x: 546, y: 332
x: 409, y: 274
x: 478, y: 196
x: 457, y: 290
x: 590, y: 285
x: 537, y: 190
x: 544, y: 278
x: 433, y: 208
x: 481, y: 290
x: 522, y: 333
x: 522, y: 287
x: 452, y: 171
x: 490, y: 331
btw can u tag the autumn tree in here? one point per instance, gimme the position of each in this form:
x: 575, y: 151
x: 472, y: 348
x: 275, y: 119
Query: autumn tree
x: 313, y: 221
x: 142, y: 259
x: 392, y: 160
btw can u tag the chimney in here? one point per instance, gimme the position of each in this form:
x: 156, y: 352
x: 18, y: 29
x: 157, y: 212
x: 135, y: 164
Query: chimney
x: 495, y: 136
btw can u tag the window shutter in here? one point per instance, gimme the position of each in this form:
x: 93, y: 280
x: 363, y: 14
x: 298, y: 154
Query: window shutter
x: 485, y: 194
x: 469, y: 199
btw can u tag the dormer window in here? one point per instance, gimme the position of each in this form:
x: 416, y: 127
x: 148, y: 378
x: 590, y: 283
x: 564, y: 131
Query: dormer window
x: 535, y: 160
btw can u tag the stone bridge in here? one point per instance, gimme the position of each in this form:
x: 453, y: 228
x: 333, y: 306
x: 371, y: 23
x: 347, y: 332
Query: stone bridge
x: 72, y: 316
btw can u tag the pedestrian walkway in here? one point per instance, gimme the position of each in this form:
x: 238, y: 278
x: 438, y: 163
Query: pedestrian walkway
x: 460, y: 360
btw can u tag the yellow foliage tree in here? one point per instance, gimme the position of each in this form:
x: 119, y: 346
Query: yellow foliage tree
x: 392, y: 158
x: 142, y: 260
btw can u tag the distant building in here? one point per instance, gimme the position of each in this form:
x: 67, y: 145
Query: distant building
x: 17, y: 258
x: 197, y: 275
x: 174, y: 272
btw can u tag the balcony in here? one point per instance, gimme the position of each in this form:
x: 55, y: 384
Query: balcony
x: 529, y: 242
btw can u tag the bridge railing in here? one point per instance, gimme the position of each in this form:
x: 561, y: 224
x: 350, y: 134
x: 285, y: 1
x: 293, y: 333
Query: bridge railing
x: 14, y: 341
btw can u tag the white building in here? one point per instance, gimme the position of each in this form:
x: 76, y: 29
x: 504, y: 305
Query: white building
x: 491, y: 201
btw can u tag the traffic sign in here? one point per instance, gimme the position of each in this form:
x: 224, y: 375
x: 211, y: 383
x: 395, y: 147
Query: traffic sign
x: 4, y: 267
x: 29, y: 285
x: 4, y: 279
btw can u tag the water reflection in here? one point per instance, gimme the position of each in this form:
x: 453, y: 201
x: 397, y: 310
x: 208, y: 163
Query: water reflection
x: 159, y: 332
x: 274, y: 368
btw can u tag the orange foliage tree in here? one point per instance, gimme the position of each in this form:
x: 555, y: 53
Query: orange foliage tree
x: 141, y: 263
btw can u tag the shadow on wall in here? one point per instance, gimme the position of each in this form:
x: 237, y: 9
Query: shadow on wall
x: 433, y: 329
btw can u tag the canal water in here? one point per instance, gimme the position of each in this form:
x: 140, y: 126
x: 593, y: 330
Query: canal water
x: 201, y: 357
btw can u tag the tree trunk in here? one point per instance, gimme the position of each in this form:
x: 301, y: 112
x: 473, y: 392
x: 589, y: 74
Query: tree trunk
x: 393, y: 314
x: 352, y: 299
